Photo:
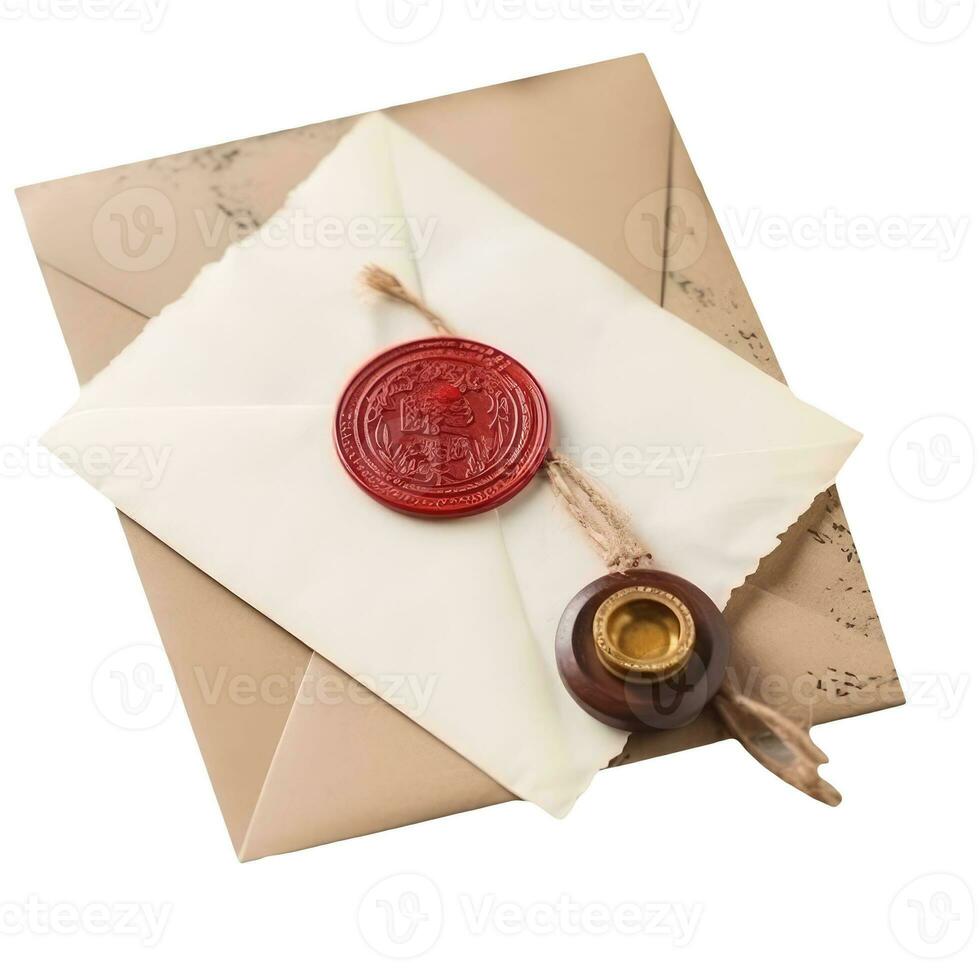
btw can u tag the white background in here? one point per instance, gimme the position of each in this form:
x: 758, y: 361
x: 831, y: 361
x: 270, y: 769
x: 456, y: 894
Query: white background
x: 790, y: 111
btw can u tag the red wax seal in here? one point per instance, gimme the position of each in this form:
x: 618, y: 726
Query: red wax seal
x: 442, y: 427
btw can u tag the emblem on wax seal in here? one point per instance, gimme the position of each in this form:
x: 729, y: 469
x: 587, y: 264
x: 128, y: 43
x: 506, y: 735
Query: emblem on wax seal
x: 442, y: 427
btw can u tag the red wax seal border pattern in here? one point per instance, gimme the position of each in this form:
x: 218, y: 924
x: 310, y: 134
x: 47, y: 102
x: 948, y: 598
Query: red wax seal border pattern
x: 442, y: 427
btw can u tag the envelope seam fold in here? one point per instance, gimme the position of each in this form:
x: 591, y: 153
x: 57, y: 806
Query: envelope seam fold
x: 242, y: 849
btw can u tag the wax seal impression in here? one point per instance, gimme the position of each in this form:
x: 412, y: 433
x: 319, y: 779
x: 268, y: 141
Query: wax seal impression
x: 442, y: 427
x: 642, y: 650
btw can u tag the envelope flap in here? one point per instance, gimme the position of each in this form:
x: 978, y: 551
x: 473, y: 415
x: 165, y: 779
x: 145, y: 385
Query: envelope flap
x: 141, y: 233
x: 254, y: 496
x: 380, y: 771
x: 712, y: 458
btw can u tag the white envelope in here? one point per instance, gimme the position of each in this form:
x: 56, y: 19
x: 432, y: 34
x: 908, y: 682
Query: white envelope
x: 232, y: 391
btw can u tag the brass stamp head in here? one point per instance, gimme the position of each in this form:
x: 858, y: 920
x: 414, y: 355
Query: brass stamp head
x: 643, y: 634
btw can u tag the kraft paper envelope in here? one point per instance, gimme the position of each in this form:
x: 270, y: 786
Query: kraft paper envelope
x: 374, y: 768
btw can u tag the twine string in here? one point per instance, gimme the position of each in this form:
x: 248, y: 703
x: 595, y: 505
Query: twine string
x: 379, y: 280
x: 779, y: 743
x: 606, y: 524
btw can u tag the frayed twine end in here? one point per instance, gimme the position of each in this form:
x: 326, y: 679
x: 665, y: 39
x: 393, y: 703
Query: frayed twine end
x: 374, y: 280
x: 380, y: 282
